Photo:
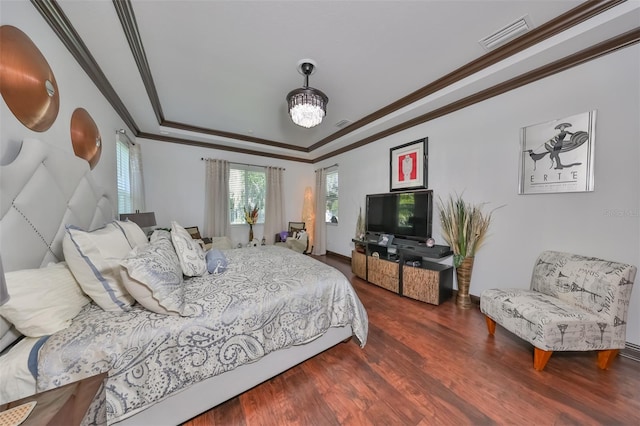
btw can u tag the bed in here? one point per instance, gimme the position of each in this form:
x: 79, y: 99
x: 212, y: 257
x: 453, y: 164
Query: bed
x: 269, y: 310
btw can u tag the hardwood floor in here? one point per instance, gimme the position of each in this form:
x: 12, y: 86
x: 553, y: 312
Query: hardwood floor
x: 432, y: 365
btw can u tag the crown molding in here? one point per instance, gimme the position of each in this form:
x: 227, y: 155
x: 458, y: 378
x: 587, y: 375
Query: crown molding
x: 625, y: 40
x: 229, y: 135
x: 124, y: 10
x: 575, y: 16
x: 58, y: 21
x: 60, y: 24
x: 171, y: 139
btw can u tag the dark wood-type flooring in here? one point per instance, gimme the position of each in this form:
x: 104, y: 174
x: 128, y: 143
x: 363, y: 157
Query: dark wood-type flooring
x: 432, y: 365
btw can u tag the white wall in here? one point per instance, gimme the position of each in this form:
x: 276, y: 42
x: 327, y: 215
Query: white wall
x: 76, y: 90
x: 175, y: 179
x: 476, y: 150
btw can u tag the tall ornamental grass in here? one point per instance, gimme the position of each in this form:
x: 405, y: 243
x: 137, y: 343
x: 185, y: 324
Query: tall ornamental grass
x: 464, y: 226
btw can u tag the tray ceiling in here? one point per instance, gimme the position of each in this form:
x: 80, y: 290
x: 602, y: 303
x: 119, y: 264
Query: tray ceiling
x: 217, y: 72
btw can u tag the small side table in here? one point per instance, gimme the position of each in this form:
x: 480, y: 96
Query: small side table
x: 66, y: 405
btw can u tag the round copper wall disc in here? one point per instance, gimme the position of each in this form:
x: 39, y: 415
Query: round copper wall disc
x: 27, y: 83
x: 85, y: 137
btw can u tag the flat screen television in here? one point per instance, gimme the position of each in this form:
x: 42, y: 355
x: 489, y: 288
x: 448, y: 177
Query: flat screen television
x: 406, y: 214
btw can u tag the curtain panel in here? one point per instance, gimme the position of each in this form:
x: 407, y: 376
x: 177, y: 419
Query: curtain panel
x: 216, y: 216
x: 320, y: 238
x: 274, y: 221
x: 136, y: 183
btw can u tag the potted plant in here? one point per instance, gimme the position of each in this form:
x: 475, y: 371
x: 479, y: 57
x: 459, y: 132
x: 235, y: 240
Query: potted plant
x: 251, y: 217
x: 464, y: 228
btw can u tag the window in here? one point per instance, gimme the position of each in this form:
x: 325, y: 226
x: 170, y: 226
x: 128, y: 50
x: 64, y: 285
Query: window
x: 247, y: 189
x: 123, y: 177
x: 331, y: 214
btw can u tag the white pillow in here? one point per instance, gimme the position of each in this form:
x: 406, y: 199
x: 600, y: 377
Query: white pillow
x: 134, y: 234
x: 189, y: 252
x: 5, y: 326
x: 43, y: 300
x: 16, y: 378
x: 153, y: 276
x: 222, y: 243
x: 9, y: 336
x: 94, y: 258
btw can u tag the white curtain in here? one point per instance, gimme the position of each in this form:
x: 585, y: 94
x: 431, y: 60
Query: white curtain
x: 309, y: 215
x: 274, y: 204
x: 320, y: 244
x: 136, y: 182
x: 216, y: 215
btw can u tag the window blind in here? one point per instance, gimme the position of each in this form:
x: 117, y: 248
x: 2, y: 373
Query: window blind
x: 123, y: 177
x: 247, y: 189
x: 331, y: 213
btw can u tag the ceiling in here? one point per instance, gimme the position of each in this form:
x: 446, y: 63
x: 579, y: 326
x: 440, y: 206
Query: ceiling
x: 217, y: 72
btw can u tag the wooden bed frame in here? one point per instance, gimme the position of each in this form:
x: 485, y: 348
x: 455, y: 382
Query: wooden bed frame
x: 46, y: 188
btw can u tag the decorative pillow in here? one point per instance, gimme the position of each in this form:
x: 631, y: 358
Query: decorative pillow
x: 43, y: 300
x: 189, y: 251
x: 303, y: 238
x: 216, y: 262
x: 135, y: 235
x: 222, y: 243
x: 153, y: 276
x: 160, y: 234
x: 94, y: 259
x: 296, y: 245
x: 283, y: 236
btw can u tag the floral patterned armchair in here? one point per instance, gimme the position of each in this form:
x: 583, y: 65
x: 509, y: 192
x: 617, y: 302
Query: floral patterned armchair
x: 575, y: 303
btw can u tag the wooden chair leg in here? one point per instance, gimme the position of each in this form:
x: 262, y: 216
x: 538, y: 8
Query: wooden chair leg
x: 540, y: 358
x: 491, y: 325
x: 605, y: 358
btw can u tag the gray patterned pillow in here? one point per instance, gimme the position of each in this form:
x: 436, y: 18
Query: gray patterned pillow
x: 153, y: 276
x: 189, y: 251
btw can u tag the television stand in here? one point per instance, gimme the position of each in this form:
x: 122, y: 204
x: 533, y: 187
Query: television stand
x: 404, y: 267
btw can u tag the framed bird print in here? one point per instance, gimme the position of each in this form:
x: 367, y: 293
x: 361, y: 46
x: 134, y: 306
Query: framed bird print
x: 409, y: 166
x: 557, y: 156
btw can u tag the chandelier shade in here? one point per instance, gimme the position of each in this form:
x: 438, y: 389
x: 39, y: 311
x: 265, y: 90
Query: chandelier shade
x: 307, y: 106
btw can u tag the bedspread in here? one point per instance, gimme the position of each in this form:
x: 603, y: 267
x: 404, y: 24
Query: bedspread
x: 269, y: 298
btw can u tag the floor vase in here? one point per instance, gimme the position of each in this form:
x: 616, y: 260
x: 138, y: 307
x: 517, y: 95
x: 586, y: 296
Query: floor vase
x: 250, y: 232
x: 463, y: 273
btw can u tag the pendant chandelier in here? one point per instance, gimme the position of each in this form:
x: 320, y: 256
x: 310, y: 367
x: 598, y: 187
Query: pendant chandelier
x: 307, y: 106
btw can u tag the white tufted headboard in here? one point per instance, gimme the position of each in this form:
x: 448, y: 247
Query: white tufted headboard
x: 41, y: 191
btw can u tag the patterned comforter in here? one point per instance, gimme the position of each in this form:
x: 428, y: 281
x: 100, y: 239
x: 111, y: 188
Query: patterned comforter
x: 269, y: 298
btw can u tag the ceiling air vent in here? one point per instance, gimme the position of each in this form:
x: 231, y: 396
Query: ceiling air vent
x: 343, y: 123
x: 507, y: 33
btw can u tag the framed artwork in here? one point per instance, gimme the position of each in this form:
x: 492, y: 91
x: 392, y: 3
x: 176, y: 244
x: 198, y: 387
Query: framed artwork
x: 557, y: 156
x: 409, y: 166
